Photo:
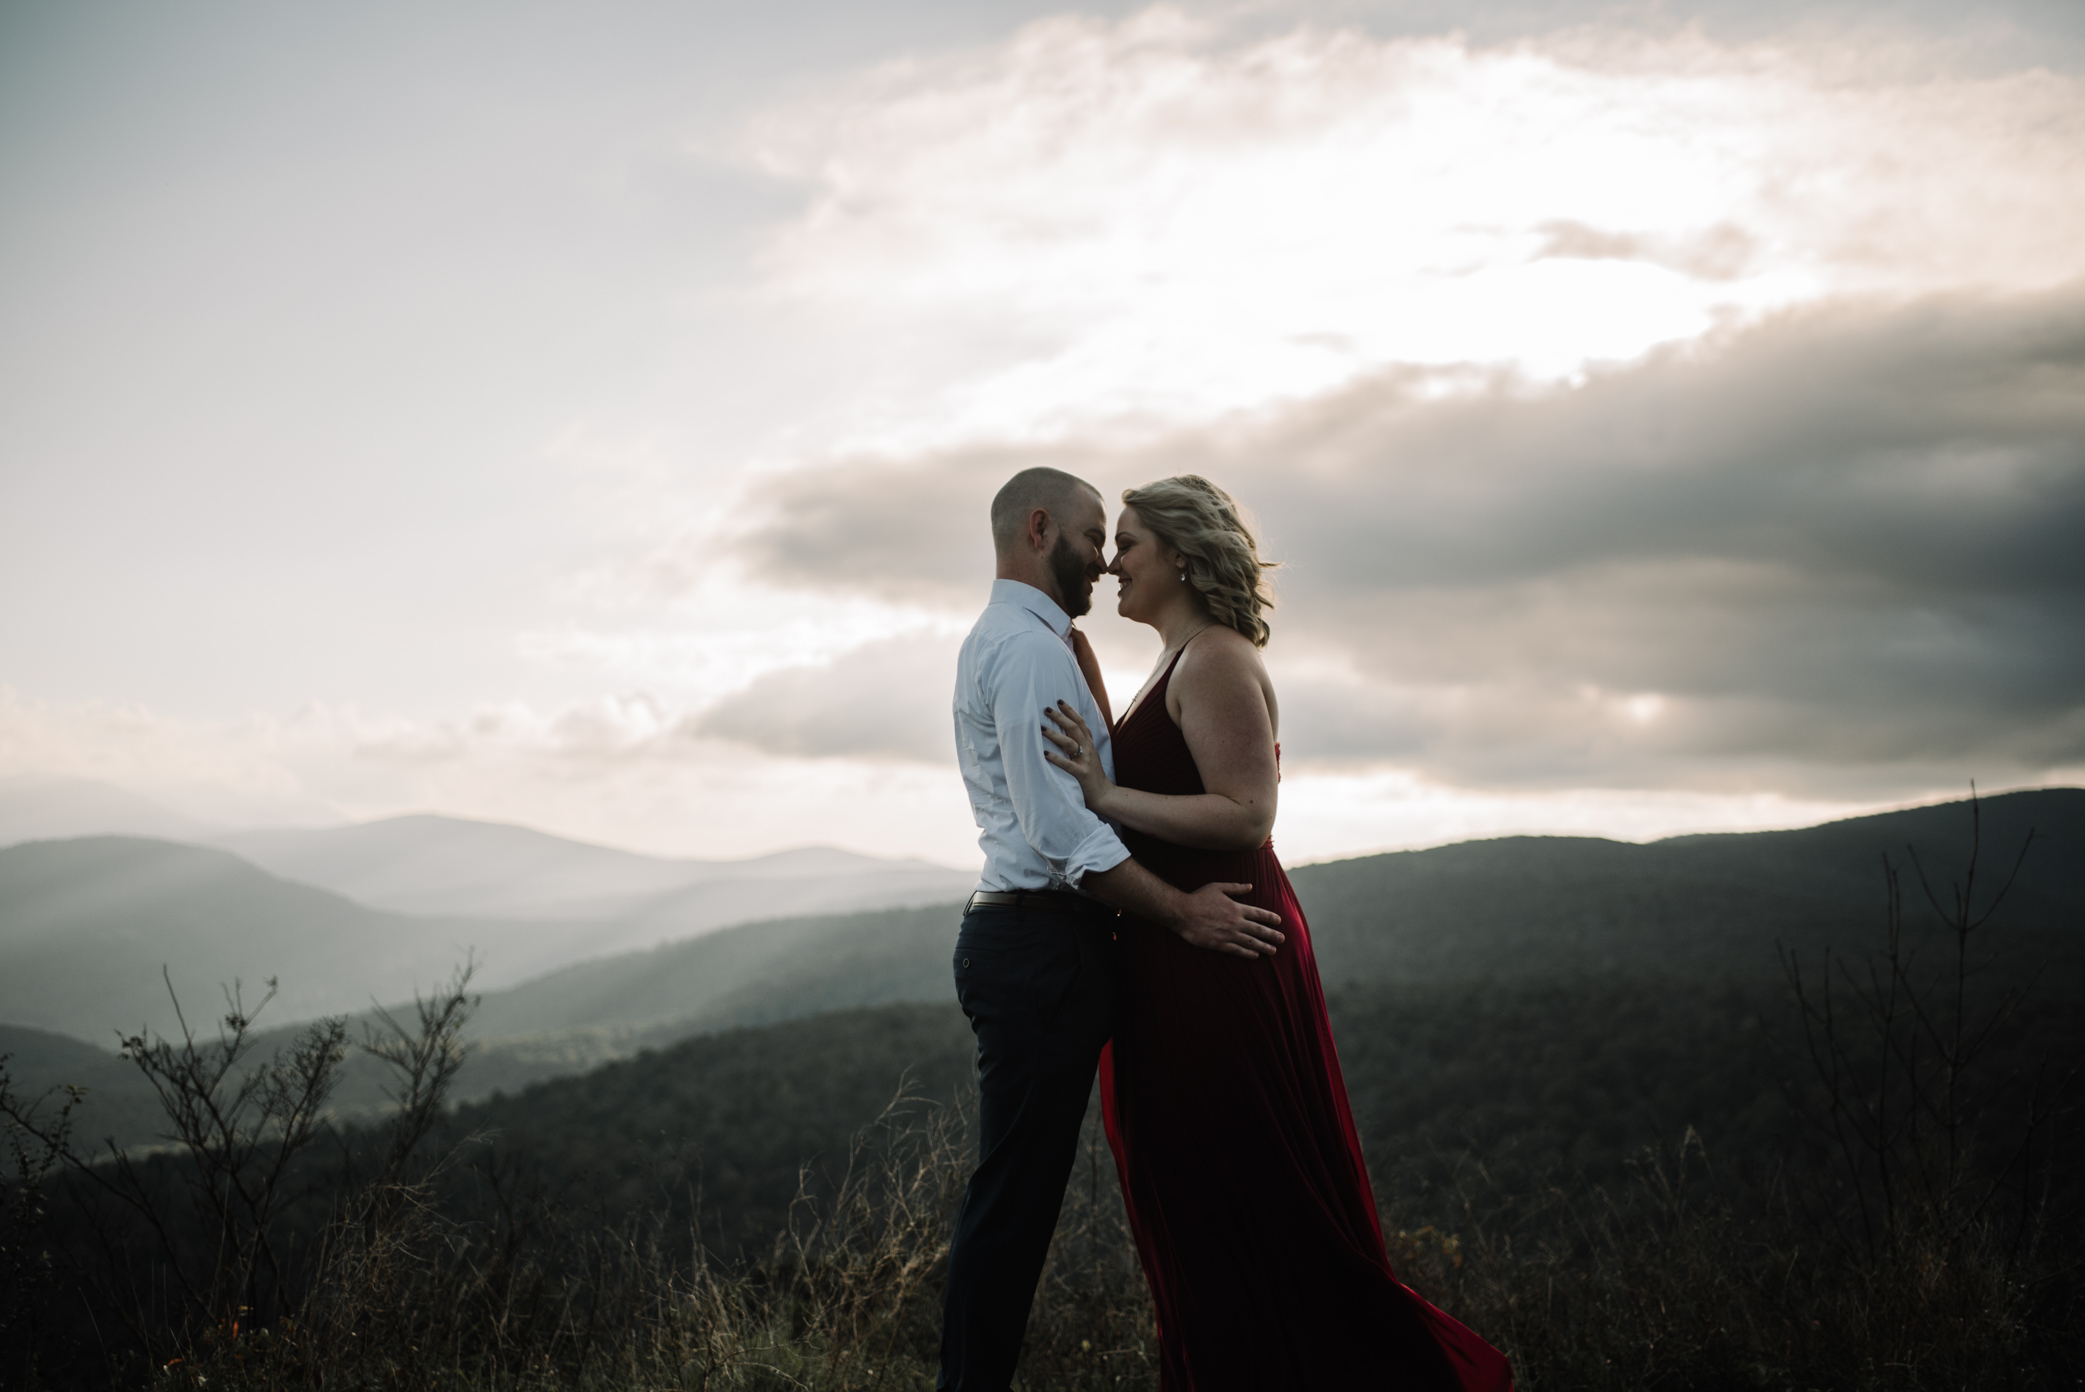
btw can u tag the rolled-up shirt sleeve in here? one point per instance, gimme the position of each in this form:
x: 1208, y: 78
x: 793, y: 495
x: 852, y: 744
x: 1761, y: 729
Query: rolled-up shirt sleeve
x: 1035, y: 672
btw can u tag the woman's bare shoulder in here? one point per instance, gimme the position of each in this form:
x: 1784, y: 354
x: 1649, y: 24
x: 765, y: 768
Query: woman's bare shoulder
x: 1226, y: 689
x: 1226, y: 645
x: 1220, y: 656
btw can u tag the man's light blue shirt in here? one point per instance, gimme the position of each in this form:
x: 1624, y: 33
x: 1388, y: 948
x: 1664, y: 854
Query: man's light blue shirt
x: 1033, y: 824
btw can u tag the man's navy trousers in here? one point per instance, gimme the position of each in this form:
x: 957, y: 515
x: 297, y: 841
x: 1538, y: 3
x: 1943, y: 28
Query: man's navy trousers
x: 1040, y: 987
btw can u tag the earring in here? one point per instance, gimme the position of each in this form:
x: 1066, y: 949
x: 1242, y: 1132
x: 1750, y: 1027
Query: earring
x: 1183, y: 577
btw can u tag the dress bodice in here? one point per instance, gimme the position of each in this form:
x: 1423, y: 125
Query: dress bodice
x: 1150, y: 752
x: 1151, y: 755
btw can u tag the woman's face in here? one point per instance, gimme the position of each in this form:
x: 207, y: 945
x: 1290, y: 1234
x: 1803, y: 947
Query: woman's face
x: 1141, y: 569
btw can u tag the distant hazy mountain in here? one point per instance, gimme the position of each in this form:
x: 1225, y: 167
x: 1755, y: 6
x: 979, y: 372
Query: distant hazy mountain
x: 49, y: 809
x: 444, y: 865
x: 86, y: 924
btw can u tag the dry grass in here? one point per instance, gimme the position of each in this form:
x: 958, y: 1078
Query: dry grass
x: 848, y: 1298
x: 1668, y: 1285
x: 1679, y: 1282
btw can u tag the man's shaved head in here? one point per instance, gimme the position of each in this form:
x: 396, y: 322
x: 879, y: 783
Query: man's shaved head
x: 1052, y: 490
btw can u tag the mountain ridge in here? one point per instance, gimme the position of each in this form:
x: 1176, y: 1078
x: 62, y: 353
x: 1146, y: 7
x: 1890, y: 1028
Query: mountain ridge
x: 431, y: 864
x: 51, y: 809
x: 86, y: 924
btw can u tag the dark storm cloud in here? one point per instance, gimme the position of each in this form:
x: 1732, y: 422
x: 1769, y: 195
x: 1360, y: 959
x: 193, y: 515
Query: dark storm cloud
x: 1933, y: 451
x: 1847, y: 538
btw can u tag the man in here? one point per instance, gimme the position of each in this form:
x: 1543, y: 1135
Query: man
x: 1034, y: 960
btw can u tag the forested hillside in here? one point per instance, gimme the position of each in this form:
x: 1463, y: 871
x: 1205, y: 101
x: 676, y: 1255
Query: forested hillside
x: 1707, y: 906
x: 1519, y: 908
x: 1513, y: 912
x: 1538, y: 1084
x: 87, y: 925
x: 1549, y: 1004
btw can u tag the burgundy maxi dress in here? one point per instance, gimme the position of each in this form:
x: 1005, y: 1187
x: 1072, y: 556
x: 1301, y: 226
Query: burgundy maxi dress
x: 1237, y: 1153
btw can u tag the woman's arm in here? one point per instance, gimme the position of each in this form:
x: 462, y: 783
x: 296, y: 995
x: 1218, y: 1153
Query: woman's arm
x: 1229, y: 728
x: 1089, y: 665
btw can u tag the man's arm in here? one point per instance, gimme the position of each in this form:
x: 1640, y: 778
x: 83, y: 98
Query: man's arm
x: 1029, y: 673
x: 1209, y: 918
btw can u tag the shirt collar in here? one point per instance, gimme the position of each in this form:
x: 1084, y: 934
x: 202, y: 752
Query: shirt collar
x: 1026, y: 596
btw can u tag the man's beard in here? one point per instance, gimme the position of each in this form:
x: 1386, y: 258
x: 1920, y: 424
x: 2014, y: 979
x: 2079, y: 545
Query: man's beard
x: 1071, y: 571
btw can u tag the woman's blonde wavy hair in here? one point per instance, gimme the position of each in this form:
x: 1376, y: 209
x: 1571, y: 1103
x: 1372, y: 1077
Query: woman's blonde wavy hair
x: 1191, y: 515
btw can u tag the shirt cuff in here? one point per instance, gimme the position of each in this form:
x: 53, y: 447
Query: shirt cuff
x: 1101, y: 850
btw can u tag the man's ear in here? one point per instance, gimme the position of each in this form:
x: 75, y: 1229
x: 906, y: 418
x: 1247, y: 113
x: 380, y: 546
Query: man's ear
x: 1038, y: 533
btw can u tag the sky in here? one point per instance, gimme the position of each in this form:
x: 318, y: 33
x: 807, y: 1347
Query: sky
x: 1669, y: 417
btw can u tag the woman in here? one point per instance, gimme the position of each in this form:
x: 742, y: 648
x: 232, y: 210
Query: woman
x: 1222, y: 1093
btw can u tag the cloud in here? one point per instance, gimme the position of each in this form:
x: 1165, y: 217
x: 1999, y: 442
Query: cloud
x: 907, y: 530
x: 1168, y: 217
x: 1841, y: 539
x: 886, y: 700
x: 1722, y: 252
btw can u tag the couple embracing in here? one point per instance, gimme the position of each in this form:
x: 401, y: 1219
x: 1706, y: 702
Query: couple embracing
x: 1132, y: 918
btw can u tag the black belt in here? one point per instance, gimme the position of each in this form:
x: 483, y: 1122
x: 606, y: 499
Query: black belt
x: 1041, y: 900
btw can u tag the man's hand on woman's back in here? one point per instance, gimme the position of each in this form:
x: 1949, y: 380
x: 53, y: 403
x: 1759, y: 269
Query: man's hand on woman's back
x: 1210, y: 918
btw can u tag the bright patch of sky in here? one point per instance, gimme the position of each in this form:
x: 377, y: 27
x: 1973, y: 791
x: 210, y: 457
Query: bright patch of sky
x: 1182, y: 225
